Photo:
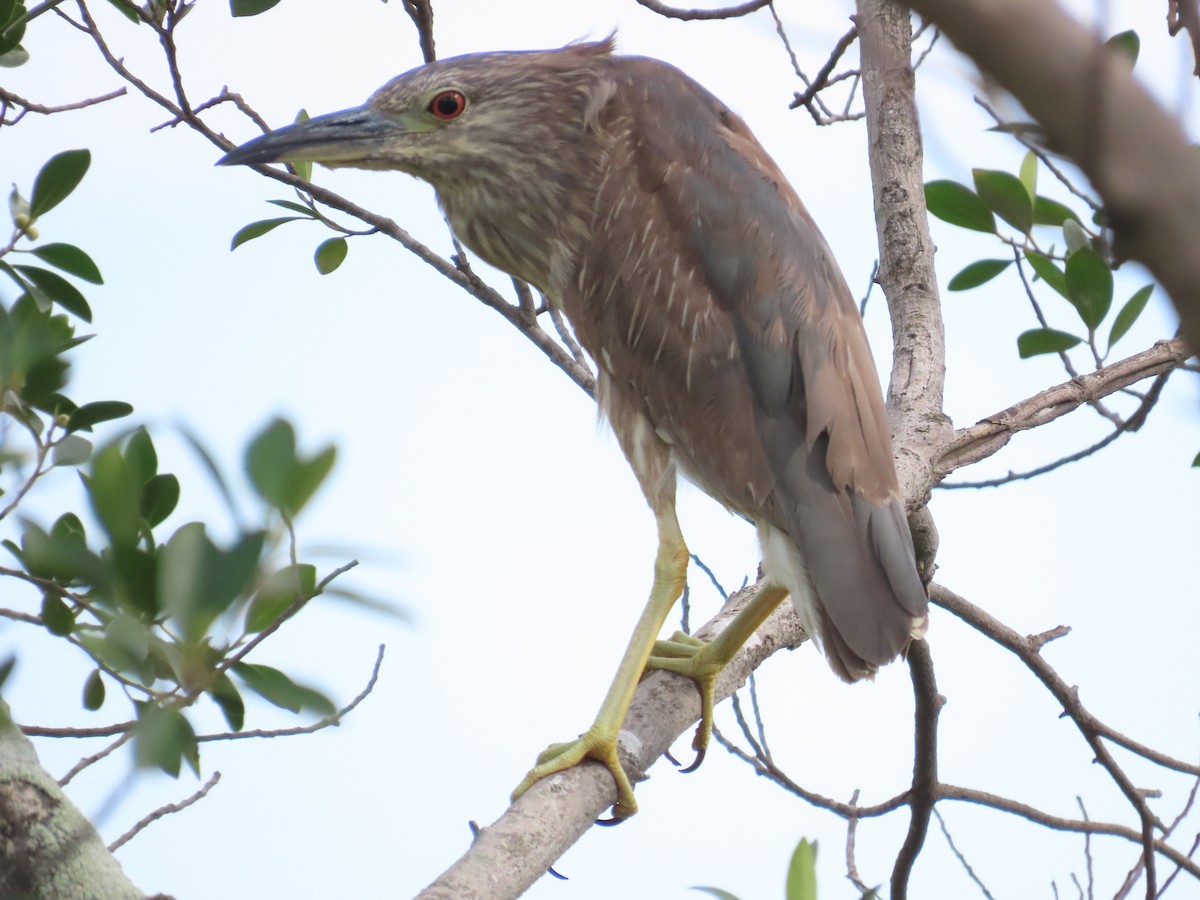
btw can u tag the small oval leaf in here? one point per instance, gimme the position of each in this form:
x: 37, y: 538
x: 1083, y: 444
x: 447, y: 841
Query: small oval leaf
x: 91, y: 414
x: 71, y: 260
x: 56, y: 615
x: 58, y: 289
x: 977, y: 273
x: 1129, y: 314
x: 258, y: 229
x: 58, y: 177
x: 330, y: 255
x: 1051, y: 212
x: 93, y: 691
x: 1048, y: 271
x: 959, y: 205
x: 1044, y: 340
x: 1005, y: 195
x: 1089, y: 286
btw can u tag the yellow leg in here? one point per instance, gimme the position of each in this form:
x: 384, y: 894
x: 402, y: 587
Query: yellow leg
x: 702, y: 662
x: 600, y: 741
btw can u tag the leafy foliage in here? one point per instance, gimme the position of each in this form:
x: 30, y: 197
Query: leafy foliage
x: 166, y: 616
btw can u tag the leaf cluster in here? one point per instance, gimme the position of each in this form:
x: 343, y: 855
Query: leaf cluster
x: 166, y: 617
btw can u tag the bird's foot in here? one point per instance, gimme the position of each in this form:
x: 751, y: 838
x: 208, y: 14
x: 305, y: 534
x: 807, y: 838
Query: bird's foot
x: 595, y: 743
x: 702, y: 662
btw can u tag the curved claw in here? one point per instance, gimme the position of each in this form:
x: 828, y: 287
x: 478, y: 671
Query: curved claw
x: 700, y: 754
x: 692, y: 658
x: 589, y: 745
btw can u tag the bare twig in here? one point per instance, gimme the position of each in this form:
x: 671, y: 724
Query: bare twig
x: 958, y: 854
x: 304, y: 729
x: 8, y: 98
x: 821, y: 79
x: 164, y: 811
x: 421, y: 12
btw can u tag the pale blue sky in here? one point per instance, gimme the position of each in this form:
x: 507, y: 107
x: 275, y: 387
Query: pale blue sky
x: 480, y: 495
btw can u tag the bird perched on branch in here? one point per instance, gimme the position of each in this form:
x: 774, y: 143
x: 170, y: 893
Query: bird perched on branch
x: 727, y: 343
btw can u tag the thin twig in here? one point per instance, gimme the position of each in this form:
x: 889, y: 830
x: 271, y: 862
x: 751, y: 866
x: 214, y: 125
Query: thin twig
x: 958, y: 854
x: 304, y: 729
x: 164, y: 811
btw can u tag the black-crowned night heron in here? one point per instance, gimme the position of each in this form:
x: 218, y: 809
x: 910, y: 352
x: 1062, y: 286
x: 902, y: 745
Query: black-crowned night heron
x: 727, y: 343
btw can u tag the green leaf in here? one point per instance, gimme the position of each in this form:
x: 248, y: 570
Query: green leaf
x: 330, y: 254
x: 250, y: 7
x: 303, y: 167
x: 93, y: 691
x: 141, y: 456
x: 1089, y: 286
x: 61, y: 556
x: 1028, y: 174
x: 977, y: 273
x: 1129, y: 314
x: 160, y: 496
x: 71, y: 260
x: 1127, y: 43
x: 72, y: 450
x: 58, y: 289
x: 1044, y: 340
x: 127, y: 9
x: 802, y: 872
x: 258, y: 229
x: 114, y: 495
x: 1005, y: 195
x: 226, y: 695
x: 10, y: 32
x: 270, y: 458
x: 163, y: 738
x: 1196, y: 461
x: 198, y: 581
x: 1051, y: 212
x: 959, y: 205
x: 83, y: 418
x: 1074, y: 236
x: 1045, y: 269
x: 295, y: 207
x: 57, y: 179
x: 280, y: 477
x: 280, y: 590
x: 56, y: 615
x: 275, y: 687
x: 130, y: 635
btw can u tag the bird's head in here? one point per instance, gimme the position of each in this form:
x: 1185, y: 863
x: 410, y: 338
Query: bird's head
x: 451, y: 120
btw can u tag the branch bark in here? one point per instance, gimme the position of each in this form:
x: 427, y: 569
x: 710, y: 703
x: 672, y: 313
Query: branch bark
x: 47, y: 847
x: 1094, y: 112
x: 512, y: 853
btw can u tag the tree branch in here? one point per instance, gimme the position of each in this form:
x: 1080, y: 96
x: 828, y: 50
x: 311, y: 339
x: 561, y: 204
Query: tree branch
x: 906, y: 270
x: 979, y: 441
x: 513, y: 852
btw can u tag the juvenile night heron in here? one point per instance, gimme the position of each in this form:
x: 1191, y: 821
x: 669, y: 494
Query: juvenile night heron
x: 727, y: 343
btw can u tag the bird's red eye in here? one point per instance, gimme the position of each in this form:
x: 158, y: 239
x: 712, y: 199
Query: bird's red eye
x: 448, y: 104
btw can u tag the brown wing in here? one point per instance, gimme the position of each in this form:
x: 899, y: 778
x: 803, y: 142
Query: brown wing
x: 716, y: 308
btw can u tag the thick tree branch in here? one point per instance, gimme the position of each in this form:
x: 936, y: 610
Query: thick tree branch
x: 906, y: 270
x: 981, y: 440
x: 48, y: 848
x: 513, y: 852
x: 1096, y: 113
